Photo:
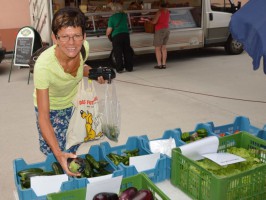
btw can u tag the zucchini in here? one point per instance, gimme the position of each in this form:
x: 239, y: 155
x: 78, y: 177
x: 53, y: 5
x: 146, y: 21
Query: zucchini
x: 57, y: 168
x: 22, y: 173
x: 26, y: 176
x: 88, y: 172
x: 202, y: 132
x: 92, y: 161
x: 103, y: 163
x: 25, y: 184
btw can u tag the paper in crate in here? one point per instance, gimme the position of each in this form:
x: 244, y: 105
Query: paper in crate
x: 241, y: 123
x: 96, y: 152
x: 139, y: 181
x: 156, y: 174
x: 29, y: 194
x: 169, y: 137
x: 201, y: 184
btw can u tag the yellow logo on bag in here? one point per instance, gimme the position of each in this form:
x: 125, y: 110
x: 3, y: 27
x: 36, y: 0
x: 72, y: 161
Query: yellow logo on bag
x: 91, y: 134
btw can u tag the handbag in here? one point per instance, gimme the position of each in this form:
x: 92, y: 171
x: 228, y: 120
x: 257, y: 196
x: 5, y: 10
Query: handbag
x: 85, y: 122
x: 110, y: 35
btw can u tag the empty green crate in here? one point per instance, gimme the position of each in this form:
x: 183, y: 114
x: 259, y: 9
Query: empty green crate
x: 203, y: 185
x: 140, y: 181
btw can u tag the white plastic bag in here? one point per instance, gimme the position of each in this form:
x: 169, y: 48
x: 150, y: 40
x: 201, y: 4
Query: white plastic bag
x: 85, y: 122
x: 110, y: 110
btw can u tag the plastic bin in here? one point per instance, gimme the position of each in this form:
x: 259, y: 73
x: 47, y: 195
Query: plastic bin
x: 203, y: 185
x: 28, y: 194
x: 140, y: 181
x: 166, y: 135
x: 206, y: 126
x: 240, y: 123
x: 97, y: 153
x: 156, y: 174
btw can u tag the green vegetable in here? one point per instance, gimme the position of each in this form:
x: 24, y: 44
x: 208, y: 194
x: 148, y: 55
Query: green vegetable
x: 185, y: 136
x: 57, y: 168
x: 111, y: 131
x: 251, y: 162
x: 22, y: 173
x: 202, y: 132
x: 92, y: 161
x: 88, y: 172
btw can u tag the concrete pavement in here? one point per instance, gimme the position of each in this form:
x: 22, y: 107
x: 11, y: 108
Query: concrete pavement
x: 197, y: 86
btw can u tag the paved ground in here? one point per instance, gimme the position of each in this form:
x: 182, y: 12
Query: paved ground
x: 151, y: 101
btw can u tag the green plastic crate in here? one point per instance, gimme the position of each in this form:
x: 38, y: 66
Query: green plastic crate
x: 140, y: 181
x: 203, y: 185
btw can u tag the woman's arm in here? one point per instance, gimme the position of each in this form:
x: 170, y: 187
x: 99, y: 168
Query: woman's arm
x: 108, y: 31
x: 156, y: 17
x: 48, y: 131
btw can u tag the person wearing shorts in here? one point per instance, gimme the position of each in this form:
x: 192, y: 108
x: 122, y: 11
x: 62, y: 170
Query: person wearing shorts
x: 161, y: 35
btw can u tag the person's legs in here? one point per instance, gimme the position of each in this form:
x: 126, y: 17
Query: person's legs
x: 164, y: 50
x: 158, y: 54
x: 127, y: 52
x: 164, y: 56
x: 118, y: 53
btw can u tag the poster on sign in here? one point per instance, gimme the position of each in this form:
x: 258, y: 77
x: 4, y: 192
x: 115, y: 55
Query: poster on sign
x: 24, y: 46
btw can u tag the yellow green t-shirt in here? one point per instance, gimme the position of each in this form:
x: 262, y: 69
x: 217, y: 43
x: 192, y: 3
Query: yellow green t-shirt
x: 49, y: 74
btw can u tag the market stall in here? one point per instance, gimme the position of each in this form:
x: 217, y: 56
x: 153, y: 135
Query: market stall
x: 170, y: 172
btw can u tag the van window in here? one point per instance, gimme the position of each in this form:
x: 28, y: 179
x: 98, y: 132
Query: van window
x: 221, y: 5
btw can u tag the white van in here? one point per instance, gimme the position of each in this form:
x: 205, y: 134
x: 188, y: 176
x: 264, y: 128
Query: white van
x: 193, y: 24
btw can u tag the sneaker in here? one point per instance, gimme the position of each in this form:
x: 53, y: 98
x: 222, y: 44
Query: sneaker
x: 163, y: 66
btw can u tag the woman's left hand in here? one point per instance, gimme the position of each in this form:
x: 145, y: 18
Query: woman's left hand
x: 101, y: 80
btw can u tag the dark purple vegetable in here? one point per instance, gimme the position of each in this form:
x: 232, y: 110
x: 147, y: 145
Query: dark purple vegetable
x: 143, y: 195
x: 77, y: 166
x: 128, y: 194
x: 106, y: 196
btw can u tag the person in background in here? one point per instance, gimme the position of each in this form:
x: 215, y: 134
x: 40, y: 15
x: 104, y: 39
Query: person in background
x: 118, y: 28
x: 161, y: 35
x: 57, y: 73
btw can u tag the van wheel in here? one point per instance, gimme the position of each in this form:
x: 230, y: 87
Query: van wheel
x: 233, y: 47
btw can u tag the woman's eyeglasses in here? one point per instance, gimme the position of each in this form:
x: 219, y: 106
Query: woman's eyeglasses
x: 66, y: 38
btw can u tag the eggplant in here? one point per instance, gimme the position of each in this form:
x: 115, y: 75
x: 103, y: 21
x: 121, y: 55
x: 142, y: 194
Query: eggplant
x: 128, y: 194
x: 76, y: 164
x: 106, y: 196
x: 143, y: 195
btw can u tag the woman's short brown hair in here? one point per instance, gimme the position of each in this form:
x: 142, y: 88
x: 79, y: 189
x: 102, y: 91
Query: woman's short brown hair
x: 66, y: 17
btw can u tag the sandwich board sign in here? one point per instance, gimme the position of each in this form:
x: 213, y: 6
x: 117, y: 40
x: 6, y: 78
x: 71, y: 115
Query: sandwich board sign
x: 24, y: 46
x: 27, y: 42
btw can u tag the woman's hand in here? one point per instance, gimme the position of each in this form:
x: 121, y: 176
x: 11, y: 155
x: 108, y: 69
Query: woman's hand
x: 101, y: 80
x: 62, y: 159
